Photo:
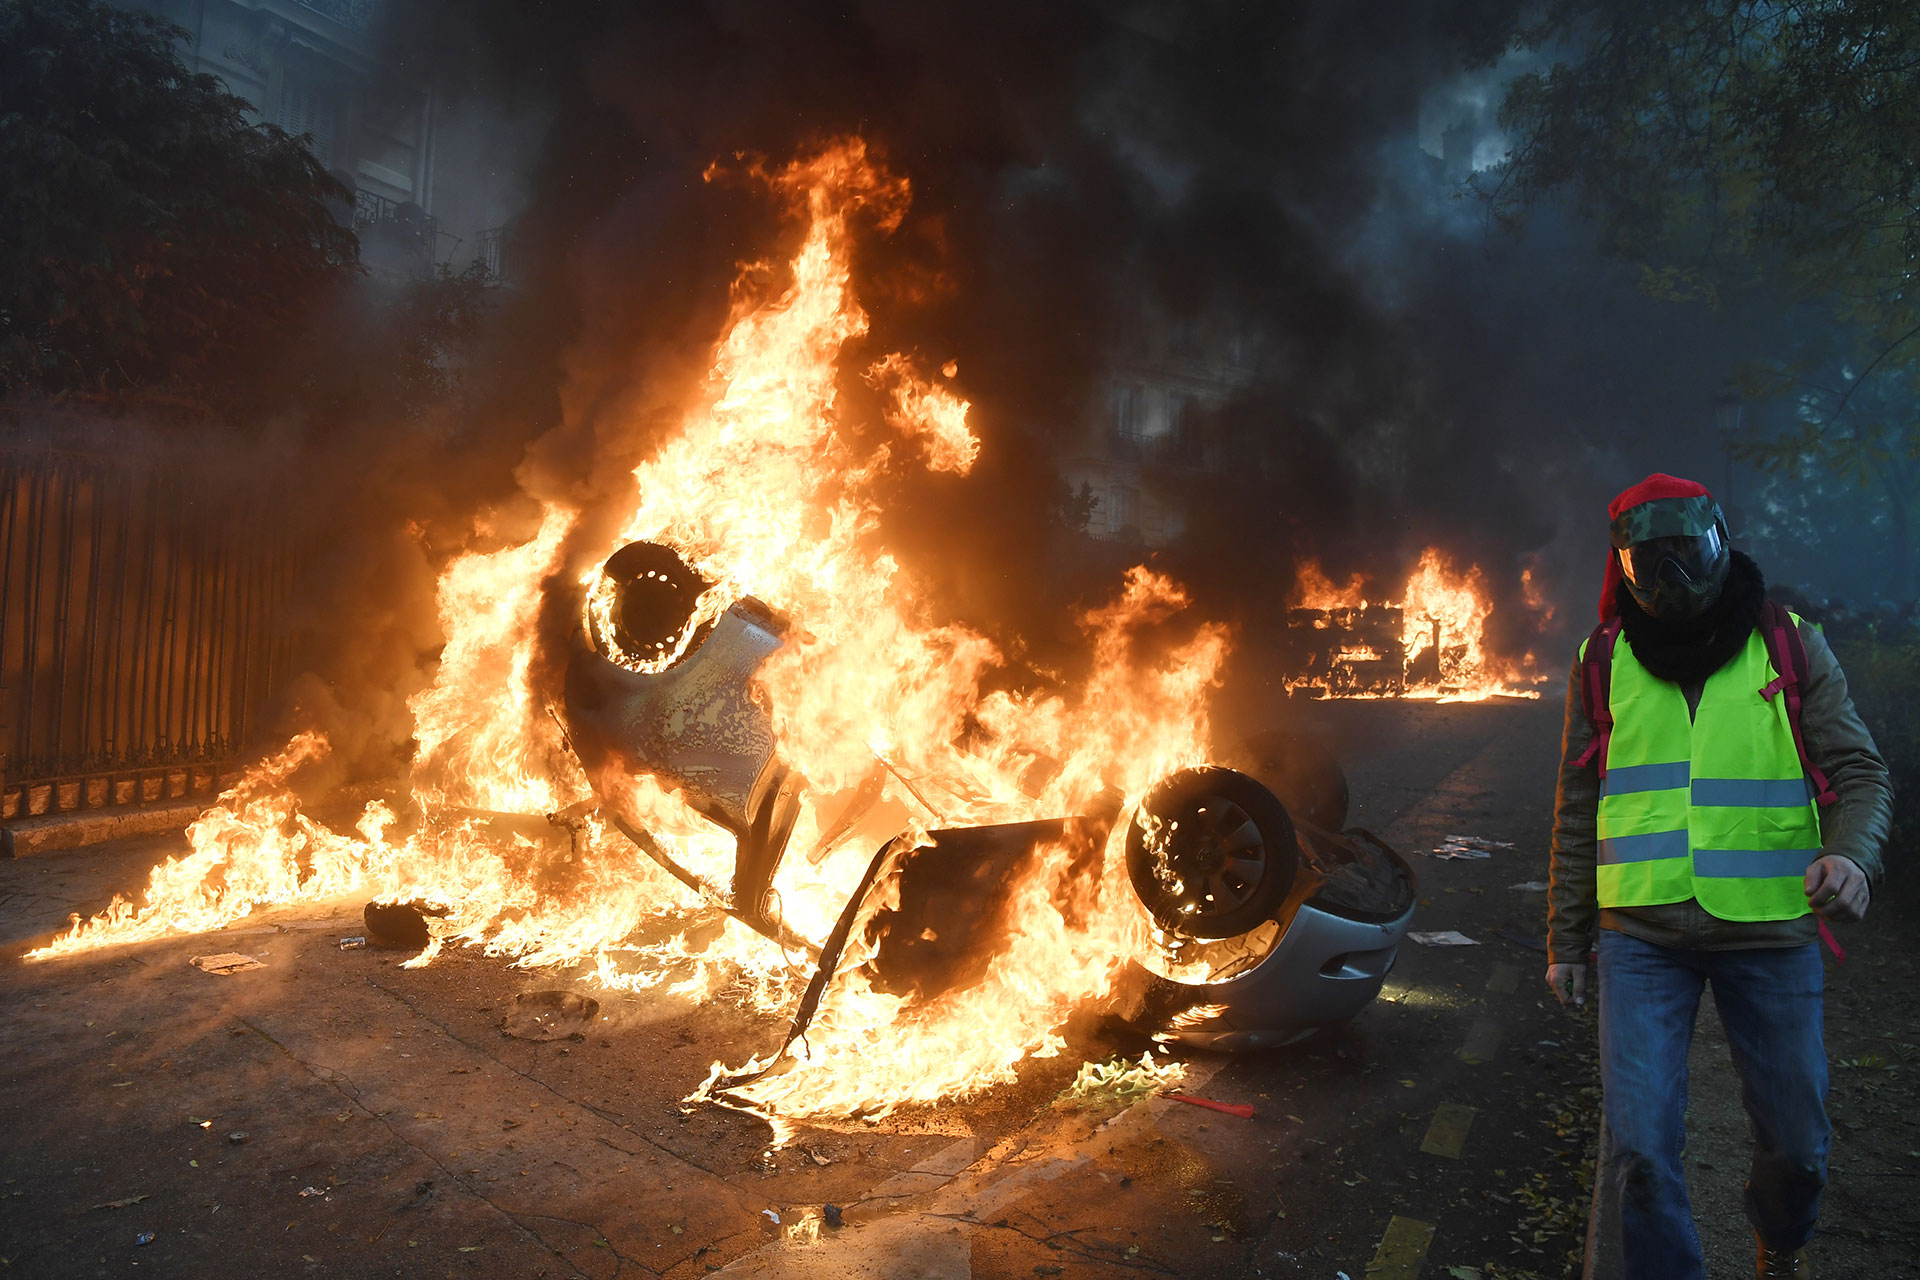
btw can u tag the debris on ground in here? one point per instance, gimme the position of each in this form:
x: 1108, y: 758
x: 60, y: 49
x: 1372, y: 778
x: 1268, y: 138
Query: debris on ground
x: 238, y: 1136
x: 1443, y: 938
x: 226, y: 962
x: 1469, y: 847
x: 145, y: 1237
x: 1530, y: 886
x: 1241, y: 1109
x: 549, y: 1015
x: 121, y: 1204
x: 400, y: 926
x: 1121, y: 1081
x: 832, y: 1215
x: 1521, y: 939
x: 354, y: 943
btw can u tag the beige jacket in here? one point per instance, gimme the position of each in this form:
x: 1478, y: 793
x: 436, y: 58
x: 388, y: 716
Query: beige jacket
x: 1856, y: 827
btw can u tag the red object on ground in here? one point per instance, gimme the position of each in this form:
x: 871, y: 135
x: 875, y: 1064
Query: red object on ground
x: 1240, y: 1109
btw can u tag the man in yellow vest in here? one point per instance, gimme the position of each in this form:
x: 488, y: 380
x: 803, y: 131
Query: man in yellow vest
x: 1696, y: 839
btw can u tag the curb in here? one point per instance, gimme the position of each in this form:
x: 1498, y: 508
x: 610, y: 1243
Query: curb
x: 54, y: 832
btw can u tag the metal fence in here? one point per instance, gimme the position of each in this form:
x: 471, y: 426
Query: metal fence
x: 139, y: 636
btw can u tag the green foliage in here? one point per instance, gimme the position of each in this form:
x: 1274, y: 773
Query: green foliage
x: 381, y: 351
x: 1722, y: 141
x: 150, y: 237
x: 1755, y: 154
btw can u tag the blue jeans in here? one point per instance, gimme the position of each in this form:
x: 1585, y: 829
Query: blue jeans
x: 1769, y: 1001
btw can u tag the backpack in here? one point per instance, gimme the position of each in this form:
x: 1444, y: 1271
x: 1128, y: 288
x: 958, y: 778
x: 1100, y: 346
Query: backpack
x: 1785, y: 651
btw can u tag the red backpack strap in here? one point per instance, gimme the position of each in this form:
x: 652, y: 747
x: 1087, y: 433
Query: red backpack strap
x: 1788, y: 653
x: 1596, y: 686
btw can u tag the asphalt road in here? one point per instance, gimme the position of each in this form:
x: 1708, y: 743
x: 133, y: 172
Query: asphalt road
x: 390, y: 1128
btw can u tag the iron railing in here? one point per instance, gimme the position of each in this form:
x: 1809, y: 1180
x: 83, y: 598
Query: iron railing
x: 139, y: 629
x: 493, y: 254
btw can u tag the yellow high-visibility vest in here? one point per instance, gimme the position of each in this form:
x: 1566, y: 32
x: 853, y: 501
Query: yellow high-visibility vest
x: 1716, y: 807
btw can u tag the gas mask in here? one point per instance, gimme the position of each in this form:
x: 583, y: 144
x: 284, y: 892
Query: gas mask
x: 1673, y: 554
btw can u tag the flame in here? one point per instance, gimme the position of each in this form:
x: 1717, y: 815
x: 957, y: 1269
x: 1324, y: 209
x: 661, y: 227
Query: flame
x: 1314, y: 590
x: 768, y: 489
x: 1442, y: 622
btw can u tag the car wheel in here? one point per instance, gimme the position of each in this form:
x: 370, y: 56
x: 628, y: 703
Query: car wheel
x: 1211, y: 853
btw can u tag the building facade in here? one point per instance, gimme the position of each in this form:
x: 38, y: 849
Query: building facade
x: 1148, y: 435
x: 310, y: 66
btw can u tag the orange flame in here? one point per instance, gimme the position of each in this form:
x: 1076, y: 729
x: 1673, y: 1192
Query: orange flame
x: 1442, y: 625
x: 765, y: 491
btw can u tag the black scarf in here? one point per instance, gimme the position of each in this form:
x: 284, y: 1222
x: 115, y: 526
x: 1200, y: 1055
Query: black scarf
x: 1689, y: 650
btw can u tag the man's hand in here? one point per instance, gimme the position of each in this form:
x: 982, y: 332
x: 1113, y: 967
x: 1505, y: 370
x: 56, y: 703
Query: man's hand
x: 1837, y: 889
x: 1569, y: 983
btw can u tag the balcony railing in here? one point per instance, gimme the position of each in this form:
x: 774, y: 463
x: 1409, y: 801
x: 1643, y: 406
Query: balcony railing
x: 397, y: 235
x: 494, y: 243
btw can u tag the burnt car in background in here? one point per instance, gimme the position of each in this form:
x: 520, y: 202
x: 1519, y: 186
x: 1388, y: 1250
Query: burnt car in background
x: 1277, y: 922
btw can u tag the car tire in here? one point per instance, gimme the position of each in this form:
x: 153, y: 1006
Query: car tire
x: 1228, y: 862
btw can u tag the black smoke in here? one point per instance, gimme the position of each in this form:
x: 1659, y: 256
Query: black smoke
x: 1092, y: 183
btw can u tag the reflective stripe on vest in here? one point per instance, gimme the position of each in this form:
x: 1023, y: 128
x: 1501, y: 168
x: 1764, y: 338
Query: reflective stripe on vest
x: 1715, y: 807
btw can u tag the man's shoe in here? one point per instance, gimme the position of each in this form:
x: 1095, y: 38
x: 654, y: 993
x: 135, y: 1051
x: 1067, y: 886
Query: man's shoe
x: 1779, y: 1264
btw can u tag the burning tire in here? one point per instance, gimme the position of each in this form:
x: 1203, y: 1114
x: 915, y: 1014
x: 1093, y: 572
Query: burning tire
x: 643, y: 607
x: 1211, y: 853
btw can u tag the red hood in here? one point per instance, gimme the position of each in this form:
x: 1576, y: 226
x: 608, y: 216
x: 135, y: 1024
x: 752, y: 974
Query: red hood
x: 1657, y: 485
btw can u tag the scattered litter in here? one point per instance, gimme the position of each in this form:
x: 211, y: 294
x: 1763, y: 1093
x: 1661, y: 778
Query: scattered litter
x: 1520, y: 939
x: 204, y: 1124
x: 1551, y: 1044
x: 1341, y: 1275
x: 145, y: 1237
x: 353, y: 943
x: 1121, y: 1080
x: 1469, y: 847
x: 1241, y: 1109
x: 226, y: 962
x: 311, y: 1191
x: 1529, y: 886
x: 832, y: 1215
x: 817, y: 1158
x: 549, y: 1015
x: 771, y: 1216
x: 238, y: 1136
x: 1443, y: 938
x: 120, y: 1204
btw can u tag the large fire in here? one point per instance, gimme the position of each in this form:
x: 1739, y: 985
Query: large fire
x: 770, y: 493
x: 1427, y: 644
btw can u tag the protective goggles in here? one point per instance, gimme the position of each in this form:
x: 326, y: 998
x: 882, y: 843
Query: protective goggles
x: 1687, y: 533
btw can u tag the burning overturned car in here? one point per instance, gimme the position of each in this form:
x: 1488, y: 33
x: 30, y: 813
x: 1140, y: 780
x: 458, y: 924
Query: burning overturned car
x: 1271, y: 924
x: 729, y: 744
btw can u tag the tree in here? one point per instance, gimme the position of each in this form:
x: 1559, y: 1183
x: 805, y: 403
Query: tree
x: 1747, y: 152
x: 1725, y: 141
x: 151, y: 238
